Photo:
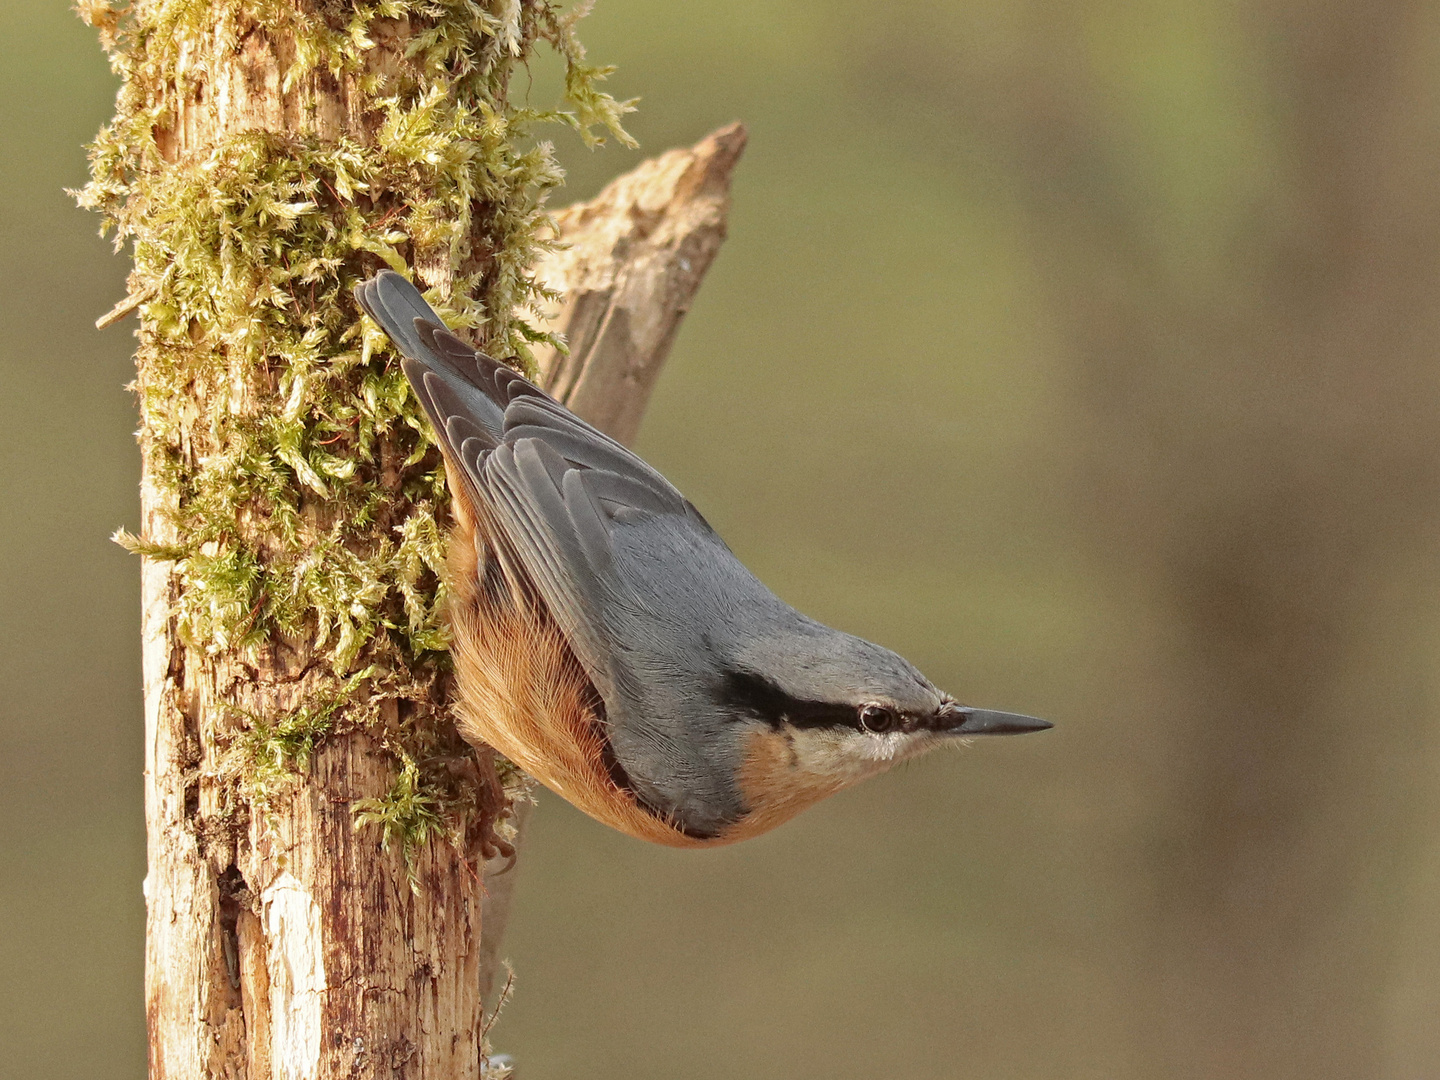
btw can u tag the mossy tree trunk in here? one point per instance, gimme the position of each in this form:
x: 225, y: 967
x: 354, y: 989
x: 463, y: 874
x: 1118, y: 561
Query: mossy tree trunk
x: 317, y: 831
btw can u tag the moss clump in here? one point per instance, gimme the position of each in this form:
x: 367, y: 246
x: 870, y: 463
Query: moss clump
x: 408, y: 814
x: 266, y: 756
x: 303, y: 498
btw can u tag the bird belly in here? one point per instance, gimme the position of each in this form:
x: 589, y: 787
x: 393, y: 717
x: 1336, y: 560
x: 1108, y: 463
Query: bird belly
x: 523, y: 692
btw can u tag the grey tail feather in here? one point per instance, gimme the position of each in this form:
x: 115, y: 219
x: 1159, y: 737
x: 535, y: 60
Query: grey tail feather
x: 395, y: 304
x: 456, y: 384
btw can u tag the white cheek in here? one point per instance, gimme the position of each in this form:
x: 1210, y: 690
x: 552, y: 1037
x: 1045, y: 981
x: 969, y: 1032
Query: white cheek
x: 850, y: 756
x: 884, y: 749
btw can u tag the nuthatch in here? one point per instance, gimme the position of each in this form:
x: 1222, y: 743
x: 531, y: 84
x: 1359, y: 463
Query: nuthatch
x: 608, y: 642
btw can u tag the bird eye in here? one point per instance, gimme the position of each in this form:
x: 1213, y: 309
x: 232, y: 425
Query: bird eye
x: 877, y: 719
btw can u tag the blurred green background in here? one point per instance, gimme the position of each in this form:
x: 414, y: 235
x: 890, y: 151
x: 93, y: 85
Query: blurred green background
x: 1084, y: 352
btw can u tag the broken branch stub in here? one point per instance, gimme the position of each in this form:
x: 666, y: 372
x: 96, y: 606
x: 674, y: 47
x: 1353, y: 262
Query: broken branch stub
x: 634, y: 258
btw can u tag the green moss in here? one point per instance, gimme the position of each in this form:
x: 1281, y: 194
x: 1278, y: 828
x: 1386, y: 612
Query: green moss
x: 267, y: 755
x: 409, y: 814
x: 306, y: 501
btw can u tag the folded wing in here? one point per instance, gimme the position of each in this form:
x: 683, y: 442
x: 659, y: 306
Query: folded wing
x: 555, y: 485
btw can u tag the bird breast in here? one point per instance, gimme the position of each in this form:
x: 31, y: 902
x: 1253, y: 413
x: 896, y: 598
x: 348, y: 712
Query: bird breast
x: 522, y: 691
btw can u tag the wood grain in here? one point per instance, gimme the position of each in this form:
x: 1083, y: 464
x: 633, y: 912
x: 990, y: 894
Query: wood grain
x: 635, y: 257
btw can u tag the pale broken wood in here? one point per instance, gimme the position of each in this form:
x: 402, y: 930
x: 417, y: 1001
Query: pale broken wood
x: 635, y: 257
x: 633, y: 260
x: 125, y: 307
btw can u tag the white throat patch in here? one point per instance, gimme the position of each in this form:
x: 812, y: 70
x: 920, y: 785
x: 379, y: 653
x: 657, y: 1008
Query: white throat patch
x: 849, y: 756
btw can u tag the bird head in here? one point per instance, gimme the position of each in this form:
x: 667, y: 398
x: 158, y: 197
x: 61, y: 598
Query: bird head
x: 842, y: 709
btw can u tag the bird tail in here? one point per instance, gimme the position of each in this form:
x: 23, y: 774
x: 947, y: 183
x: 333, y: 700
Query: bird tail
x: 464, y: 391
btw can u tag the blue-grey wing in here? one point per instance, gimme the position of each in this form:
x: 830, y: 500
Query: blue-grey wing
x: 635, y: 578
x: 632, y: 576
x: 558, y: 487
x: 573, y: 502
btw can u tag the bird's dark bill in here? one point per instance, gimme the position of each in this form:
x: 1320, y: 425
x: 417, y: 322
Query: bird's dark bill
x: 989, y: 722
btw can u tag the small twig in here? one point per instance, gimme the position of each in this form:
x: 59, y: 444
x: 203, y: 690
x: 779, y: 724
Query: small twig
x: 388, y: 215
x: 487, y: 1023
x: 254, y: 611
x: 124, y: 307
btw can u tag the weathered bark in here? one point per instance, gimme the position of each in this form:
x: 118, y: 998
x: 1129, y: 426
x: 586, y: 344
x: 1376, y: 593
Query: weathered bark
x: 294, y: 947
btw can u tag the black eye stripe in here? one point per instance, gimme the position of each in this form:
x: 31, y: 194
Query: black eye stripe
x: 754, y: 694
x: 747, y: 692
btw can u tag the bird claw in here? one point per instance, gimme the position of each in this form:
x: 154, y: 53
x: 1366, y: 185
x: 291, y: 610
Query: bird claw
x: 494, y: 808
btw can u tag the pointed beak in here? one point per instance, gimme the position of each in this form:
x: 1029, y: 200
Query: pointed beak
x: 959, y: 720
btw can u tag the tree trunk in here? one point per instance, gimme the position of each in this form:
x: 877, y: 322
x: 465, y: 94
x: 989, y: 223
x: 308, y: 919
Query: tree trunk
x: 263, y: 160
